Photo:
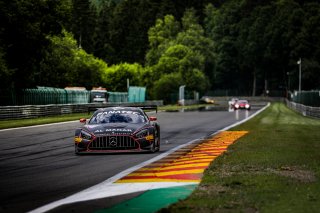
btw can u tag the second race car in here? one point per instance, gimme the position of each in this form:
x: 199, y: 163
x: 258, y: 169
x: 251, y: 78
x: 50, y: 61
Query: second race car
x: 242, y: 104
x: 118, y: 129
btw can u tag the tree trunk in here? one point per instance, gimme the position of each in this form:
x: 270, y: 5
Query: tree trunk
x: 254, y: 84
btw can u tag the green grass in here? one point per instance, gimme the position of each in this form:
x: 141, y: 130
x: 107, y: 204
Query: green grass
x: 188, y: 107
x: 274, y: 168
x: 4, y: 124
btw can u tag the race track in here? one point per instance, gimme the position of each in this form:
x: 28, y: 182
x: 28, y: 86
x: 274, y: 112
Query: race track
x: 38, y: 165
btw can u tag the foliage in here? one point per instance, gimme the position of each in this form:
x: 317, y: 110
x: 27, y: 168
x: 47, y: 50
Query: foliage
x: 165, y: 87
x: 84, y: 21
x: 179, y: 50
x: 307, y: 43
x: 5, y: 72
x: 103, y: 47
x: 248, y: 46
x: 129, y: 24
x: 257, y: 44
x: 220, y: 25
x: 73, y: 66
x: 115, y: 77
x: 160, y: 36
x: 24, y: 27
x: 59, y: 55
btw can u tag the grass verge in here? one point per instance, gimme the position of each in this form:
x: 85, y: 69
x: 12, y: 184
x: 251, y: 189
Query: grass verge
x: 274, y: 168
x: 4, y: 124
x: 188, y: 107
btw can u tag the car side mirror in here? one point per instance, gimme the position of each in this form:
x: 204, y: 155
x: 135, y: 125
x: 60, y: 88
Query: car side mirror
x: 83, y: 120
x: 152, y: 119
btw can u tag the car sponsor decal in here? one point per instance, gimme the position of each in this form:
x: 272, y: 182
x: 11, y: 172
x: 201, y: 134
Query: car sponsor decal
x: 120, y: 112
x: 113, y: 130
x: 150, y: 137
x: 118, y: 130
x: 185, y: 166
x: 77, y: 139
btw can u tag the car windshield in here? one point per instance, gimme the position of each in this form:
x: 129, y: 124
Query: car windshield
x: 107, y: 117
x: 99, y: 94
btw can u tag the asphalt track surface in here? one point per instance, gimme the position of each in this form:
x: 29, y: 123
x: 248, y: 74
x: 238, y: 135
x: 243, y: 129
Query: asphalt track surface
x: 38, y: 165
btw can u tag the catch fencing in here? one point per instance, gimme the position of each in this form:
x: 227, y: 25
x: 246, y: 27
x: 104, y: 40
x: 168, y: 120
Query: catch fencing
x: 308, y: 98
x: 44, y: 96
x: 50, y: 95
x: 304, y: 110
x: 136, y: 94
x: 116, y: 97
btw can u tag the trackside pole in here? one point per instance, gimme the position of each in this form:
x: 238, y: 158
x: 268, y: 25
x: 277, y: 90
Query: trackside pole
x: 181, y: 94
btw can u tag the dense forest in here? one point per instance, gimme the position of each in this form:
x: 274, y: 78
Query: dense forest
x: 248, y: 46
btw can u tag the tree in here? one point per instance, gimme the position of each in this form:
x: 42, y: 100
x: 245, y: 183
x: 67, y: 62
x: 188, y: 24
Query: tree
x: 25, y: 25
x: 128, y: 32
x: 103, y: 46
x: 88, y: 70
x: 193, y: 36
x: 115, y: 77
x: 160, y: 36
x: 179, y: 50
x: 84, y: 21
x: 5, y: 72
x: 165, y: 88
x: 58, y: 59
x: 251, y: 43
x: 256, y: 43
x: 221, y: 28
x: 306, y: 45
x: 71, y: 65
x: 283, y: 24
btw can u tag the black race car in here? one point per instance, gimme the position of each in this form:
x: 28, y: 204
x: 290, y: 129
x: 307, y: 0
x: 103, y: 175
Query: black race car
x: 118, y: 129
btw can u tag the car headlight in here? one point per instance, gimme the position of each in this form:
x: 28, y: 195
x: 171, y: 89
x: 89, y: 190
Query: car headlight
x: 247, y: 106
x: 85, y: 135
x: 143, y: 133
x: 236, y: 106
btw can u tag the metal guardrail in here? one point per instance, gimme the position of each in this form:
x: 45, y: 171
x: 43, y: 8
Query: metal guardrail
x: 304, y: 110
x: 34, y: 111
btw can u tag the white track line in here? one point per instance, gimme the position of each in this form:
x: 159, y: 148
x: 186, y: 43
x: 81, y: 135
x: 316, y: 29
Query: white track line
x: 35, y: 126
x: 244, y: 120
x: 108, y: 188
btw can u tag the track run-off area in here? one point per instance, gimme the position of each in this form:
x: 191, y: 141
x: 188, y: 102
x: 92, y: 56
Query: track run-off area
x: 41, y: 173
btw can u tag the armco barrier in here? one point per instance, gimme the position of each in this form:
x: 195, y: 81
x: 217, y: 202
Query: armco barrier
x: 304, y: 110
x: 34, y: 111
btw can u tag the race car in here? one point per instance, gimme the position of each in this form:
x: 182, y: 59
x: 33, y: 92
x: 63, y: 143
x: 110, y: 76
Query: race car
x: 232, y: 102
x: 242, y: 104
x: 118, y: 129
x: 207, y: 100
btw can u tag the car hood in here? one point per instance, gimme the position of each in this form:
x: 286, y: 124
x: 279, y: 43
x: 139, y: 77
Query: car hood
x: 114, y: 128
